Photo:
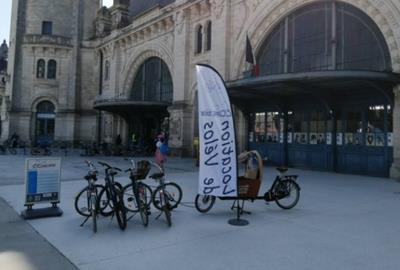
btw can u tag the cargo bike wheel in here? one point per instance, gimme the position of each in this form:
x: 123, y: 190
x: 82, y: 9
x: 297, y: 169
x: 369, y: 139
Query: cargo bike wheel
x: 287, y: 194
x: 204, y: 203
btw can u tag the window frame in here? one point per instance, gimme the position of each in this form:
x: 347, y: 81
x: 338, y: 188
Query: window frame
x: 198, y: 39
x: 47, y: 28
x: 51, y: 67
x: 40, y: 63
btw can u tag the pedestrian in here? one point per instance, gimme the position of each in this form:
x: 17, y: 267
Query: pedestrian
x: 160, y: 157
x: 118, y: 140
x: 14, y: 140
x: 134, y: 140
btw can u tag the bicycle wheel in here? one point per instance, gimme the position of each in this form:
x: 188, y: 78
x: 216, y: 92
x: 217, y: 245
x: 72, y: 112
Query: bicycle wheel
x: 104, y: 202
x: 82, y: 202
x: 173, y: 193
x: 119, y: 208
x: 144, y: 214
x: 204, y: 203
x: 287, y: 194
x: 129, y: 197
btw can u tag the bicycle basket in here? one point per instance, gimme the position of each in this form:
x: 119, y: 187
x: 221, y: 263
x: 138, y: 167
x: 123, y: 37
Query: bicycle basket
x: 248, y: 188
x: 143, y: 168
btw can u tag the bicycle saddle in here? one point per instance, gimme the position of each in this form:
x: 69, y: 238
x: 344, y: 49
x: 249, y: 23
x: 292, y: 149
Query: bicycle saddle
x: 157, y: 175
x: 282, y: 169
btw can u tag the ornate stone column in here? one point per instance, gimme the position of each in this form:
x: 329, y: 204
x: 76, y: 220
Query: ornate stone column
x: 395, y: 169
x: 181, y: 129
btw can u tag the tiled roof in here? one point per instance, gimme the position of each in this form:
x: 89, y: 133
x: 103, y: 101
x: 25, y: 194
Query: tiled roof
x: 139, y: 6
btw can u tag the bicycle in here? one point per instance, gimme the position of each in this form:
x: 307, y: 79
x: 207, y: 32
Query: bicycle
x: 166, y: 196
x: 112, y: 193
x: 285, y: 191
x: 86, y: 201
x: 135, y: 194
x: 8, y: 146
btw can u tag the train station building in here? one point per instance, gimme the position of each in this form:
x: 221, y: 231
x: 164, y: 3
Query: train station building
x: 323, y: 92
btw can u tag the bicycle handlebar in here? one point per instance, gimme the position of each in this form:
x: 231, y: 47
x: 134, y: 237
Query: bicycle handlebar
x: 108, y: 167
x: 92, y: 168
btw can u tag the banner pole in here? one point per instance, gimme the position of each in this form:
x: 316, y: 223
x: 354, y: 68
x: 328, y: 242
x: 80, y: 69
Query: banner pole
x: 238, y: 221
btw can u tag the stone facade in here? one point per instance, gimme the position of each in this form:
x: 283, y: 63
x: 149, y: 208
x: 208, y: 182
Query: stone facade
x: 3, y: 78
x: 86, y: 36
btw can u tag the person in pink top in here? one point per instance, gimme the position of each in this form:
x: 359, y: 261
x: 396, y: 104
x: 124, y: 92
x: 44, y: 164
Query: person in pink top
x: 159, y: 156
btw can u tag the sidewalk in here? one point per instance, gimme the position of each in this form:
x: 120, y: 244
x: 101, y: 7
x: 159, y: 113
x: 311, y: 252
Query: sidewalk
x: 22, y: 248
x: 342, y: 222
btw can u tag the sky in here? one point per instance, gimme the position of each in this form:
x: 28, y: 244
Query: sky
x: 5, y: 14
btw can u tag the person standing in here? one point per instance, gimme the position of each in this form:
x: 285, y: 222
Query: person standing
x: 160, y: 156
x: 14, y: 140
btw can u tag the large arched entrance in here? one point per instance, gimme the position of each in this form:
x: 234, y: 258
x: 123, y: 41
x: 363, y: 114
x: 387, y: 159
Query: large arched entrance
x: 145, y: 106
x: 153, y: 83
x: 324, y: 96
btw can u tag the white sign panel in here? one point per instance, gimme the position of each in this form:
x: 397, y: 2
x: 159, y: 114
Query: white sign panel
x: 218, y: 167
x: 42, y: 180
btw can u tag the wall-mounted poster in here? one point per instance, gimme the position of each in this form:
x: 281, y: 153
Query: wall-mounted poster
x: 313, y: 138
x: 390, y: 139
x: 328, y: 138
x: 281, y: 125
x: 348, y: 139
x: 272, y: 137
x: 357, y: 137
x: 251, y: 136
x: 380, y: 139
x: 339, y: 138
x: 320, y: 138
x: 370, y: 139
x: 290, y: 137
x: 303, y: 138
x: 296, y: 137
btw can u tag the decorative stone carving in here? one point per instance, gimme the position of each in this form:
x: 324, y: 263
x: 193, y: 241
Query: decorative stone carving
x: 253, y: 4
x: 103, y: 22
x: 179, y: 21
x: 217, y: 7
x: 120, y: 14
x: 47, y: 39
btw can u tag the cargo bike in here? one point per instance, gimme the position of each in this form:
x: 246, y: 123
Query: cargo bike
x: 285, y: 190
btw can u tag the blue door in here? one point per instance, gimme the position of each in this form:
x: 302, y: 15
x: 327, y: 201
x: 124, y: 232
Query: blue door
x: 364, y: 140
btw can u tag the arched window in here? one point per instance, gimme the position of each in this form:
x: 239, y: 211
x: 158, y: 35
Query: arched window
x: 208, y: 36
x: 51, y: 69
x: 153, y: 82
x: 328, y: 35
x: 107, y: 70
x: 199, y: 39
x: 40, y: 68
x: 45, y: 107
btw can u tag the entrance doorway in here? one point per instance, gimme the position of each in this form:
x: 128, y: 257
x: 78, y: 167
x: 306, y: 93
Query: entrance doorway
x: 45, y: 123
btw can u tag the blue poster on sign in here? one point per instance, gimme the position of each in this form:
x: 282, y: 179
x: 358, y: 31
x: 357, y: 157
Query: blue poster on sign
x: 32, y: 182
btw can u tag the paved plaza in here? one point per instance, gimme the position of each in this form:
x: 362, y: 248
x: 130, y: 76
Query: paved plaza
x: 341, y: 222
